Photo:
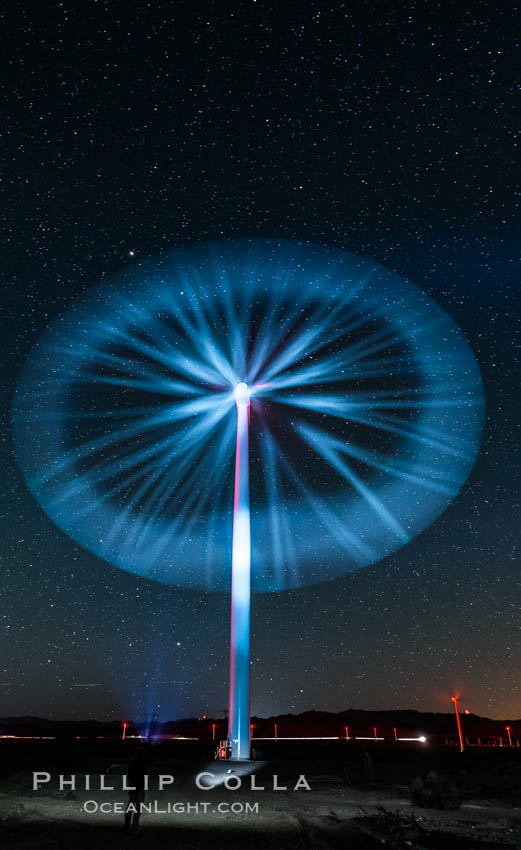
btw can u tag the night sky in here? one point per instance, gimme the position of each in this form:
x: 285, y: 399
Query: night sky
x: 392, y: 133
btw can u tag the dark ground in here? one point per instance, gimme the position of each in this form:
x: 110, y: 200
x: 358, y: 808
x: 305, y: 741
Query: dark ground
x: 360, y: 798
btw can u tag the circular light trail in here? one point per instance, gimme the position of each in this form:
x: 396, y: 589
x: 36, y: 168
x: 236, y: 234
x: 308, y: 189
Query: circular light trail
x: 365, y: 405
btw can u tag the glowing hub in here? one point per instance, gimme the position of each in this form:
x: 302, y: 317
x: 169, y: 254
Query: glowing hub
x: 242, y: 393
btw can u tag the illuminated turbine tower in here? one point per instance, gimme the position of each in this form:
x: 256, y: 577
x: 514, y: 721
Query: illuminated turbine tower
x: 239, y: 709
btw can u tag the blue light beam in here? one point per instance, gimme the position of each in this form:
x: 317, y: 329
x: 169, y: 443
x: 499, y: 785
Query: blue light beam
x: 239, y: 704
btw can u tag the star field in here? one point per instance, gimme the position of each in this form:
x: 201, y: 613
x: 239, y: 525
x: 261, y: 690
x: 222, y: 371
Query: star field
x: 390, y: 133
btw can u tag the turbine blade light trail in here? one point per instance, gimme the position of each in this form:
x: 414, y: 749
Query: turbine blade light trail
x: 239, y: 707
x: 368, y: 410
x: 325, y: 446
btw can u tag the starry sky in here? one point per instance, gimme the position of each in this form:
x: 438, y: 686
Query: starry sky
x: 135, y: 128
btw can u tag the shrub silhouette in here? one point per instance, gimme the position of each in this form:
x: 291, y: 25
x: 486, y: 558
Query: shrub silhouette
x: 434, y: 792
